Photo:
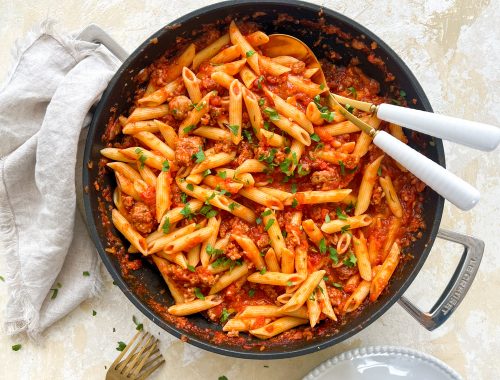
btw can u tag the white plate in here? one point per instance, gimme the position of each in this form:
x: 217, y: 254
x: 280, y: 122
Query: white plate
x: 383, y: 363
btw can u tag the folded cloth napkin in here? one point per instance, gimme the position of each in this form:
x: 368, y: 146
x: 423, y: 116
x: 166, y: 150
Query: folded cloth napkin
x: 51, y: 263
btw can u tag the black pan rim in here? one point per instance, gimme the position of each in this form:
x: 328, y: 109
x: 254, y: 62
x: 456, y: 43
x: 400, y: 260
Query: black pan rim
x: 136, y: 301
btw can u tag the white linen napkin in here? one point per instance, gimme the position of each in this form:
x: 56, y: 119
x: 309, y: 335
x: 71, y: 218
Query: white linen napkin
x: 44, y: 107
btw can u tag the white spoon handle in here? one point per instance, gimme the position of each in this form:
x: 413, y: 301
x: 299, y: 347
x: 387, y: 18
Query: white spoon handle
x: 469, y: 133
x: 445, y: 183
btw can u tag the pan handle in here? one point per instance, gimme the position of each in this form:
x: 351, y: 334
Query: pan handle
x: 94, y: 33
x: 457, y: 287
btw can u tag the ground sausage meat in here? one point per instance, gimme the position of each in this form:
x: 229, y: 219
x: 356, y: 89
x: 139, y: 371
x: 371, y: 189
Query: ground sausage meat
x: 180, y: 106
x: 185, y: 147
x: 245, y: 152
x: 326, y: 179
x: 224, y: 147
x: 141, y: 218
x: 298, y: 67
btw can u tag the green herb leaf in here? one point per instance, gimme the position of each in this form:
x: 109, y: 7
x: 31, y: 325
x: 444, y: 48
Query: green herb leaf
x: 259, y: 82
x: 311, y: 297
x: 198, y: 107
x: 340, y: 215
x: 327, y: 218
x: 289, y: 283
x: 262, y: 101
x: 249, y: 53
x: 206, y: 173
x: 315, y: 137
x: 345, y: 228
x: 301, y: 171
x: 328, y: 116
x: 333, y: 255
x: 258, y: 220
x: 353, y: 92
x: 267, y: 125
x: 86, y: 274
x: 251, y: 292
x: 337, y: 285
x: 263, y: 270
x: 379, y: 171
x: 266, y: 213
x: 165, y: 166
x: 247, y: 135
x: 272, y: 113
x: 234, y: 129
x: 191, y: 268
x: 198, y: 294
x: 200, y: 155
x: 186, y: 211
x: 342, y: 168
x: 222, y: 378
x: 322, y: 246
x: 322, y: 86
x: 121, y: 346
x: 183, y: 197
x: 94, y: 313
x: 350, y: 261
x: 402, y: 93
x: 16, y: 347
x: 166, y: 226
x: 349, y: 108
x: 224, y: 316
x: 189, y: 128
x: 295, y: 203
x: 232, y: 206
x: 269, y: 223
x: 293, y: 189
x: 190, y: 186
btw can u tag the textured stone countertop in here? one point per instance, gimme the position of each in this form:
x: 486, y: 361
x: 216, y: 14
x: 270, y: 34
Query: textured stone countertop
x: 452, y: 48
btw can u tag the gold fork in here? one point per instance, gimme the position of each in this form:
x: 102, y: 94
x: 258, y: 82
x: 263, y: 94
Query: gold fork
x: 140, y: 362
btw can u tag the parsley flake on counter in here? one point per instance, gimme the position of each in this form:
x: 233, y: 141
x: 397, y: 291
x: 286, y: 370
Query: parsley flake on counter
x: 16, y: 347
x: 138, y: 325
x: 94, y: 313
x: 121, y: 346
x: 86, y: 274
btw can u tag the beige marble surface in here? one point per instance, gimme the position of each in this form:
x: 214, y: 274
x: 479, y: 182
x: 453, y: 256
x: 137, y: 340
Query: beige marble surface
x: 452, y: 47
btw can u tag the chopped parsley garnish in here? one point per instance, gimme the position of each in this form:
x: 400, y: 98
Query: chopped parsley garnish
x: 86, y: 273
x: 207, y: 201
x: 337, y: 285
x: 208, y: 211
x: 261, y: 101
x: 222, y: 174
x: 225, y: 192
x: 224, y: 316
x: 189, y: 128
x: 263, y: 270
x: 191, y: 268
x: 315, y: 137
x: 55, y: 290
x: 258, y: 220
x: 333, y: 255
x: 186, y: 211
x: 247, y: 135
x: 353, y: 92
x: 249, y: 53
x: 342, y: 167
x: 311, y: 297
x: 327, y: 218
x: 328, y: 116
x: 214, y: 251
x: 350, y: 261
x: 138, y: 150
x: 349, y: 108
x: 267, y: 125
x: 259, y: 82
x: 322, y: 86
x: 293, y: 189
x: 266, y: 213
x: 234, y: 129
x: 206, y: 173
x: 190, y: 186
x: 340, y: 215
x: 289, y: 283
x: 322, y: 246
x: 295, y: 203
x: 121, y: 346
x: 198, y: 107
x: 345, y: 228
x: 251, y: 292
x: 349, y: 208
x: 183, y: 197
x: 272, y: 113
x: 2, y: 279
x: 165, y: 166
x: 285, y: 165
x: 16, y: 347
x: 138, y: 326
x: 232, y: 206
x: 301, y: 171
x: 379, y: 171
x: 199, y: 156
x: 402, y: 93
x: 270, y: 157
x: 198, y: 294
x: 269, y: 223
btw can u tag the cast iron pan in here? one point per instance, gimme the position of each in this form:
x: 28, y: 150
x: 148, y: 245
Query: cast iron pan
x: 145, y: 287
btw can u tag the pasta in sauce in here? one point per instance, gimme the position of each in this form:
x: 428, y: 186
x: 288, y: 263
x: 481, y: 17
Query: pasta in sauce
x: 260, y: 207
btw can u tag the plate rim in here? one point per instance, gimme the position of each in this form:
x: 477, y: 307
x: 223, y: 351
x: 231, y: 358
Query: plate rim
x: 361, y: 352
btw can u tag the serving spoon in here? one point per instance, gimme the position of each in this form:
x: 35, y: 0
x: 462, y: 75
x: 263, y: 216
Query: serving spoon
x: 472, y: 134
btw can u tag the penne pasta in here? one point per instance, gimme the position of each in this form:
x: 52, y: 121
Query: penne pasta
x: 257, y: 38
x: 313, y: 308
x: 324, y: 301
x: 140, y: 126
x: 287, y: 261
x: 313, y: 232
x: 147, y: 174
x: 381, y: 279
x: 315, y: 197
x: 194, y: 116
x: 390, y: 196
x: 357, y: 297
x: 276, y: 278
x: 231, y: 68
x: 366, y: 187
x: 250, y: 249
x: 210, y: 51
x: 365, y: 140
x: 115, y: 155
x: 290, y: 111
x: 277, y: 327
x: 147, y: 113
x: 208, y: 244
x: 363, y: 260
x: 184, y: 60
x: 273, y: 229
x: 247, y: 76
x: 306, y: 86
x: 184, y: 243
x: 145, y: 157
x: 251, y: 166
x: 175, y: 291
x: 260, y: 197
x: 194, y: 307
x: 159, y: 244
x: 235, y: 110
x: 292, y: 129
x: 155, y: 144
x: 160, y: 96
x: 246, y: 50
x: 271, y: 260
x: 192, y: 84
x: 222, y: 78
x: 212, y: 133
x: 276, y: 193
x: 125, y: 170
x: 193, y: 256
x: 134, y: 237
x: 301, y: 295
x: 350, y: 223
x: 271, y: 67
x: 271, y: 311
x: 229, y: 277
x: 227, y: 55
x: 162, y: 195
